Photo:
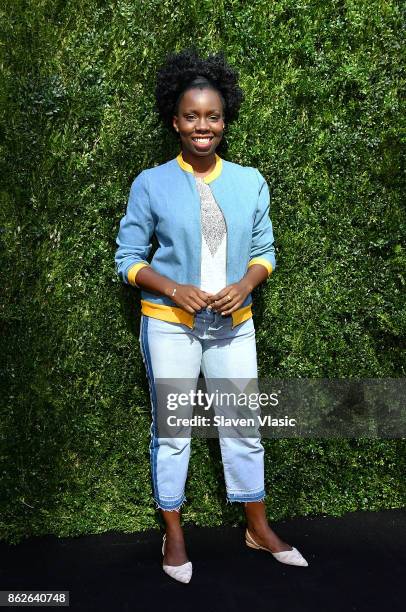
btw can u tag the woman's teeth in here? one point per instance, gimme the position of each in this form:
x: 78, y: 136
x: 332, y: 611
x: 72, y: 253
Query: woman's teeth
x: 205, y: 140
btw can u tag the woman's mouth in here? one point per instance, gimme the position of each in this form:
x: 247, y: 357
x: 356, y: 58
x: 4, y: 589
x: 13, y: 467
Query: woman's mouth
x: 202, y: 142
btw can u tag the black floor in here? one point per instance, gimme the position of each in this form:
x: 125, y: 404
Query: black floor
x: 356, y: 563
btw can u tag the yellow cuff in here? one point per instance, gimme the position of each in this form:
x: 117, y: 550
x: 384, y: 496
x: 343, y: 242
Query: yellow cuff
x: 133, y: 271
x: 173, y: 314
x: 241, y: 315
x: 262, y: 262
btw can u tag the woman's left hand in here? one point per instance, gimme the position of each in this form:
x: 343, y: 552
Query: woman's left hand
x: 230, y: 298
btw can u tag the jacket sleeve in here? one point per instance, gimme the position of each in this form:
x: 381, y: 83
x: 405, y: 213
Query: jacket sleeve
x: 134, y: 236
x: 262, y: 245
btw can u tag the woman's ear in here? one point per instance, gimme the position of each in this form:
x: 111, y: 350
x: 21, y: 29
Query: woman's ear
x: 175, y: 124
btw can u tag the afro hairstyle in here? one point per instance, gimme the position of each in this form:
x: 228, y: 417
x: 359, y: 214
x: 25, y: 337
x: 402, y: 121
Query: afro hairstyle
x: 179, y: 70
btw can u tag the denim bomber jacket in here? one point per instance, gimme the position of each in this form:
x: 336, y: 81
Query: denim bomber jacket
x: 164, y: 201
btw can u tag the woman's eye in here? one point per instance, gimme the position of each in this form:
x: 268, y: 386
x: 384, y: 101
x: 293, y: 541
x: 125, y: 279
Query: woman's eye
x: 192, y: 118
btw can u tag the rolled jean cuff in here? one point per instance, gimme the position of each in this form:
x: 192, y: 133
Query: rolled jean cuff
x: 170, y: 504
x: 246, y: 497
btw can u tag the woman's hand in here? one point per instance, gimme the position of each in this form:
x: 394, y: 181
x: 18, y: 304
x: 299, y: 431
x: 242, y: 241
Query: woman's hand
x: 231, y: 297
x: 191, y: 298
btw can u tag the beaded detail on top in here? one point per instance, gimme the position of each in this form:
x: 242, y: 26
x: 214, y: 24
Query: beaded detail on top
x: 212, y: 219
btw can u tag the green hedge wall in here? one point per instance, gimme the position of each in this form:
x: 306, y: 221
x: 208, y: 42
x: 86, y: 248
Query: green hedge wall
x: 323, y: 120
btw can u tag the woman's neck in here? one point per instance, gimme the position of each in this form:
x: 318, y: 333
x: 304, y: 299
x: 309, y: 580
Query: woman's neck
x: 201, y: 165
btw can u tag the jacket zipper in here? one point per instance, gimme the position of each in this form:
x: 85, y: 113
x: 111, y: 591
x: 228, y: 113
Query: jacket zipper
x: 196, y: 192
x: 200, y: 229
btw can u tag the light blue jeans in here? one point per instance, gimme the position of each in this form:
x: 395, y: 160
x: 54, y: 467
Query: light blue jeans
x: 174, y: 351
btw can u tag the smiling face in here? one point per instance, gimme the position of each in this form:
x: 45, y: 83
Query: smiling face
x: 200, y: 121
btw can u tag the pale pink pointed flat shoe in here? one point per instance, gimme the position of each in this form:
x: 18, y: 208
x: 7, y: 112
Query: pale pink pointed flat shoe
x: 182, y: 573
x: 290, y: 557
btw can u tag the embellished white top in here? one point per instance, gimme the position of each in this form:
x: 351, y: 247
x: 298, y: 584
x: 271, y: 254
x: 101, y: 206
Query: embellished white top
x: 214, y: 241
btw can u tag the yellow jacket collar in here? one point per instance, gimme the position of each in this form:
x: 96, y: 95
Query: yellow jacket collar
x: 210, y: 177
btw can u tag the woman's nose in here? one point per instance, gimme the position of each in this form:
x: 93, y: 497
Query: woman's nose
x: 202, y: 124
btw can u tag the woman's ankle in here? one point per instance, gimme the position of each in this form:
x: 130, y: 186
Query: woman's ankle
x: 258, y: 528
x: 174, y: 531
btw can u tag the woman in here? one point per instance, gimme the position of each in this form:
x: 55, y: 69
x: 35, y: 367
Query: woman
x: 210, y: 218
